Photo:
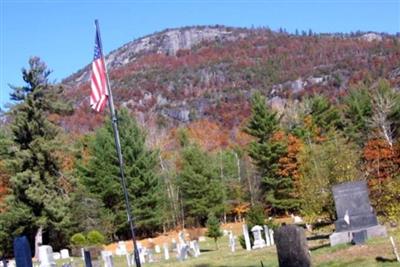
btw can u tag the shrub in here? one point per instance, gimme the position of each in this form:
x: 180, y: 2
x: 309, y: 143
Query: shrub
x: 95, y: 238
x: 78, y: 239
x: 255, y: 216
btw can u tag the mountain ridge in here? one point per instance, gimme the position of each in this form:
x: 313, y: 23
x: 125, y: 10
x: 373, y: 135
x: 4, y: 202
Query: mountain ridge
x: 187, y: 74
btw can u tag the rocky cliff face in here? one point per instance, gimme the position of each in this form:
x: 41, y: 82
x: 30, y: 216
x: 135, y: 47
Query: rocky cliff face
x: 167, y: 42
x: 209, y: 73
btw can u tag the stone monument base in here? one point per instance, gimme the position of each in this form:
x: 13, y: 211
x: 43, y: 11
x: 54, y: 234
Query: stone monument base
x: 347, y: 236
x: 259, y: 244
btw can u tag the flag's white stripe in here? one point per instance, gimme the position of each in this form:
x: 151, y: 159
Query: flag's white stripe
x: 97, y: 82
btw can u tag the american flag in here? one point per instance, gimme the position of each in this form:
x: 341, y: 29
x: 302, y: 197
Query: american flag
x: 99, y: 94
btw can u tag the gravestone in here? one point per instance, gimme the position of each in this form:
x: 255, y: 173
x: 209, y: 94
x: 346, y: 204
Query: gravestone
x: 157, y: 249
x: 246, y: 237
x: 22, y: 252
x: 266, y: 233
x: 232, y: 244
x: 38, y: 241
x: 142, y: 252
x: 354, y: 213
x: 87, y: 258
x: 174, y: 246
x: 194, y: 245
x: 46, y: 256
x: 107, y: 258
x: 121, y: 249
x: 166, y: 251
x: 150, y: 256
x: 56, y: 255
x: 64, y: 254
x: 109, y: 261
x: 291, y: 245
x: 271, y: 237
x: 258, y: 240
x: 359, y: 237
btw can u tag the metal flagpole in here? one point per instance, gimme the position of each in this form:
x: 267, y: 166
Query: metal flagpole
x: 120, y: 159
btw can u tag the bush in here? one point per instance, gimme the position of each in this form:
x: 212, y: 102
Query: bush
x: 255, y: 216
x: 78, y: 240
x: 389, y: 202
x: 242, y: 241
x: 95, y: 238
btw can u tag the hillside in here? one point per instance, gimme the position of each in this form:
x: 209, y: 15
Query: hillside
x: 207, y: 74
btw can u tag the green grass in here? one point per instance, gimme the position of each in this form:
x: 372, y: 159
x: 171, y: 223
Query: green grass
x: 376, y: 252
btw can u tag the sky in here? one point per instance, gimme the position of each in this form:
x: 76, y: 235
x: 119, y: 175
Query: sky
x: 61, y: 32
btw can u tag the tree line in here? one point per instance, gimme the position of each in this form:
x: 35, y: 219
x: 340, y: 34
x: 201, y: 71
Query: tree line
x: 64, y: 184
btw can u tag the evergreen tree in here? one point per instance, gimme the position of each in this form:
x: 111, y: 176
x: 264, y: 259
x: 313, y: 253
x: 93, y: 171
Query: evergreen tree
x: 324, y: 114
x: 200, y: 186
x: 36, y: 199
x: 357, y: 112
x: 265, y: 152
x: 101, y: 176
x: 213, y: 228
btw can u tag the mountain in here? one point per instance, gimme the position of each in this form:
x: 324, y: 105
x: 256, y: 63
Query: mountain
x: 207, y: 73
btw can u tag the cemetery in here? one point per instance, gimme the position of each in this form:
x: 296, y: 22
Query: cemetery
x: 226, y: 146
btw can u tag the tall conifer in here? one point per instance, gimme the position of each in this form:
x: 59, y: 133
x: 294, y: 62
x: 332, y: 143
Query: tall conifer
x: 36, y: 199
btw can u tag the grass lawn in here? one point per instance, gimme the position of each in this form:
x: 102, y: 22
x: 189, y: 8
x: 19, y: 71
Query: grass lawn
x: 376, y: 252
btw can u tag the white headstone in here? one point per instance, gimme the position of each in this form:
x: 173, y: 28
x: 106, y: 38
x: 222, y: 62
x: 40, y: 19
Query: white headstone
x: 150, y: 255
x: 104, y: 254
x: 46, y: 256
x: 129, y: 260
x: 202, y: 238
x: 38, y: 241
x: 271, y: 236
x: 11, y: 263
x: 246, y: 237
x: 232, y: 244
x: 258, y: 240
x: 225, y: 232
x: 83, y: 254
x: 121, y: 249
x: 64, y: 254
x: 142, y: 254
x: 166, y: 251
x: 174, y: 246
x: 266, y: 233
x: 181, y: 237
x: 56, y: 255
x: 183, y: 254
x: 157, y: 249
x: 196, y: 248
x: 109, y: 261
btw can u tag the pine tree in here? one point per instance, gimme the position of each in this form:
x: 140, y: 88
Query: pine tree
x: 324, y: 114
x: 101, y: 176
x: 36, y: 199
x: 213, y: 228
x: 200, y: 185
x: 357, y: 112
x: 266, y: 152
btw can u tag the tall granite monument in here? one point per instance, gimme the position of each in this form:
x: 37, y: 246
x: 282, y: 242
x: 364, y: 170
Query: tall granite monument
x: 354, y: 212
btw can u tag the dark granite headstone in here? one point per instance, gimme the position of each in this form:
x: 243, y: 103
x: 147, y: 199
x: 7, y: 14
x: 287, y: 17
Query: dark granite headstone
x: 359, y: 237
x: 352, y: 199
x: 291, y: 244
x: 22, y: 252
x: 354, y: 214
x: 88, y: 259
